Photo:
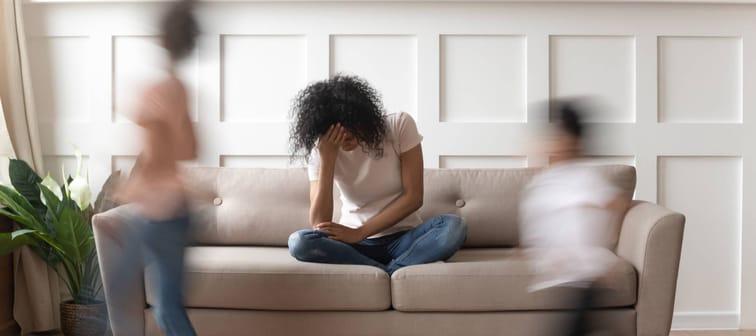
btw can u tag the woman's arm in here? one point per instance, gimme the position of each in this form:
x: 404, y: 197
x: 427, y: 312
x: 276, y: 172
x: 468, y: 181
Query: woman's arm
x: 321, y: 190
x: 408, y: 202
x: 321, y: 199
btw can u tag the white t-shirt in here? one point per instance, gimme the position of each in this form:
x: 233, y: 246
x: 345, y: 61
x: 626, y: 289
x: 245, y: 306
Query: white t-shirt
x: 563, y: 216
x: 368, y: 184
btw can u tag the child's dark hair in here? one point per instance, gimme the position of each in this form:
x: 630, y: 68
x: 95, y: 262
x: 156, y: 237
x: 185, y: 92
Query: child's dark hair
x: 348, y: 100
x: 179, y: 29
x: 567, y: 117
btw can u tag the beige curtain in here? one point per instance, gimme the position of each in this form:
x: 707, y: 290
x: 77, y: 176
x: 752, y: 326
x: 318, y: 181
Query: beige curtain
x: 37, y: 296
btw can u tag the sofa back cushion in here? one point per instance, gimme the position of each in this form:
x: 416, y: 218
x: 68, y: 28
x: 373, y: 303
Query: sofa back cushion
x: 488, y: 199
x: 257, y: 206
x: 250, y: 206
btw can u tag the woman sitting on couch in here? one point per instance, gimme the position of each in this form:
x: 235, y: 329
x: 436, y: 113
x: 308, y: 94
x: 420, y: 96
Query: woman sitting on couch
x: 376, y: 161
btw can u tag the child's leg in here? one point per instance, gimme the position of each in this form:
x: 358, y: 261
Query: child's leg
x: 165, y: 242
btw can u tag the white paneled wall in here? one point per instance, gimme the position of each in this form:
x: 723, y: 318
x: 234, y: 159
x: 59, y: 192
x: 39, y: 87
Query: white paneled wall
x: 675, y: 83
x: 704, y: 88
x: 261, y: 90
x: 474, y: 89
x: 602, y: 66
x: 714, y: 218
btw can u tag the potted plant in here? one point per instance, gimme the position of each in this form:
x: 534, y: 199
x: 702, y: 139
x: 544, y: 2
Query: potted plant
x: 55, y: 222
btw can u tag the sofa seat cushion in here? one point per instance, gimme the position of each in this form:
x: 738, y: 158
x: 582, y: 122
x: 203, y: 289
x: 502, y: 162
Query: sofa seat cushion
x: 497, y: 280
x: 268, y: 278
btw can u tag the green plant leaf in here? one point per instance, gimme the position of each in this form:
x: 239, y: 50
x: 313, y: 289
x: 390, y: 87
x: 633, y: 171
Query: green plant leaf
x: 59, y: 233
x: 75, y: 239
x: 54, y: 204
x: 26, y: 182
x: 22, y: 221
x: 9, y: 242
x: 50, y: 255
x: 74, y: 235
x: 54, y: 209
x: 50, y: 246
x: 91, y: 284
x: 71, y: 275
x: 19, y: 233
x: 49, y: 183
x: 17, y: 204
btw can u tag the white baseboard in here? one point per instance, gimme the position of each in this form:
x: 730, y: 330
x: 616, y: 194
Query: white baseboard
x: 705, y: 320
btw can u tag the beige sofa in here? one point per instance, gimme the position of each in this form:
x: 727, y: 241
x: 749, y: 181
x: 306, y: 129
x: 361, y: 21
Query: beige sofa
x: 242, y: 281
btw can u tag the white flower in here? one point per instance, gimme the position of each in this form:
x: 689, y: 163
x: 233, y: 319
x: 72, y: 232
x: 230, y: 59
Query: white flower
x: 79, y: 188
x: 80, y: 193
x: 49, y: 183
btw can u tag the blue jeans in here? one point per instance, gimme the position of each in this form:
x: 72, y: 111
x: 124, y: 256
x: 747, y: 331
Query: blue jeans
x: 436, y: 239
x: 159, y: 244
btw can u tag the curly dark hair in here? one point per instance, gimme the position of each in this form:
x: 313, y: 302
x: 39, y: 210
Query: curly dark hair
x: 348, y: 100
x: 179, y: 29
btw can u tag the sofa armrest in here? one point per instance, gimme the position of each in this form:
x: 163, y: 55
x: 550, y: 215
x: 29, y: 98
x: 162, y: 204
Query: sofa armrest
x: 651, y: 240
x: 129, y: 309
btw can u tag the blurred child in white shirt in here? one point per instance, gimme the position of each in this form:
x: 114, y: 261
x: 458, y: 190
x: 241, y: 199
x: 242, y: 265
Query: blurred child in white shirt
x: 570, y: 214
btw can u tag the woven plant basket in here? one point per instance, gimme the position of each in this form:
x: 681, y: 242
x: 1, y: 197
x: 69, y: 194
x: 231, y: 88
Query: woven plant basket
x: 83, y: 320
